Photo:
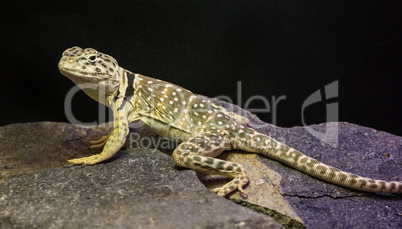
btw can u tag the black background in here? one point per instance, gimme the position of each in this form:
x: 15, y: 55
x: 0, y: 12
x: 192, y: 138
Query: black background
x: 274, y: 48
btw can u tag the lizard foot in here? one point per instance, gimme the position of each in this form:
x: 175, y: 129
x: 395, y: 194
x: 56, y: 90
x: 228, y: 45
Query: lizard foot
x: 236, y: 184
x: 91, y: 160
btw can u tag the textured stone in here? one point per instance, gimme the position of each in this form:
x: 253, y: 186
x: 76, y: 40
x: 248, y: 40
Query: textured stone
x: 136, y: 189
x: 144, y: 187
x: 318, y: 204
x: 31, y: 147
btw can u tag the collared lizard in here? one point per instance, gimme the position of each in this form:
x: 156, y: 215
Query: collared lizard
x: 203, y: 128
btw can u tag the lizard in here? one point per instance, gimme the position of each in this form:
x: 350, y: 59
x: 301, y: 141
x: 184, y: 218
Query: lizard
x: 202, y: 128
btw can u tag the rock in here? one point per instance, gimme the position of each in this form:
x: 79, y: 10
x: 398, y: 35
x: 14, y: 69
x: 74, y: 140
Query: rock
x: 149, y: 185
x: 315, y: 203
x: 136, y: 189
x: 32, y: 147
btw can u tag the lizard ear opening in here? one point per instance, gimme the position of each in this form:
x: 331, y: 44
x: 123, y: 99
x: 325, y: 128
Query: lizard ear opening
x: 113, y: 85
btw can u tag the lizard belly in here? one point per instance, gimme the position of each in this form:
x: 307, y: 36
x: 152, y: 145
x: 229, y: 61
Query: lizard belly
x: 166, y: 130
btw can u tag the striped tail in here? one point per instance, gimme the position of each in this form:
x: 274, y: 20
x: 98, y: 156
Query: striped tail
x: 259, y: 143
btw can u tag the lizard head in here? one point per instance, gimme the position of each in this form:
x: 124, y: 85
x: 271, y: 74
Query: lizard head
x: 96, y: 73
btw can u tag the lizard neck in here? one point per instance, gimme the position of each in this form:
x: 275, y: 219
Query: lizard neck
x: 125, y: 91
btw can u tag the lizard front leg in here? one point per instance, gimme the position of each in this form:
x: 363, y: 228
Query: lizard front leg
x: 99, y: 143
x: 112, y: 143
x: 197, y: 154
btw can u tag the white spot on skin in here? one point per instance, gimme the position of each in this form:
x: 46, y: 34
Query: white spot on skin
x: 195, y: 112
x: 278, y: 146
x: 241, y: 131
x: 292, y: 150
x: 219, y: 115
x: 289, y: 152
x: 201, y: 105
x: 178, y: 89
x: 220, y: 123
x: 174, y: 93
x: 210, y: 112
x: 176, y: 99
x: 168, y: 85
x: 149, y: 82
x: 163, y: 92
x: 199, y: 123
x: 162, y: 99
x: 176, y: 110
x: 170, y: 102
x: 195, y: 105
x: 150, y: 89
x: 184, y: 102
x: 204, y: 117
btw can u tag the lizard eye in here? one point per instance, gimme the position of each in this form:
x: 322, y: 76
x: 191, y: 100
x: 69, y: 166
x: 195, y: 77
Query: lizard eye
x: 92, y: 58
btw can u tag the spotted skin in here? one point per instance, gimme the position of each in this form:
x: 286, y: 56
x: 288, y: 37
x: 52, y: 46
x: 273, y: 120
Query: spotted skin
x: 204, y: 129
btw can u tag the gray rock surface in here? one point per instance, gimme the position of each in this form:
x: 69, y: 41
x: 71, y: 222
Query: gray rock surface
x: 30, y: 147
x: 143, y: 187
x: 362, y: 151
x: 136, y: 189
x: 318, y: 204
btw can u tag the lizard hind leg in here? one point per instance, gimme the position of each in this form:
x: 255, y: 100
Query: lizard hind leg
x: 197, y: 154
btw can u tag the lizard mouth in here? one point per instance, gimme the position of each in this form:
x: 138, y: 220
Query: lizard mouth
x: 84, y: 74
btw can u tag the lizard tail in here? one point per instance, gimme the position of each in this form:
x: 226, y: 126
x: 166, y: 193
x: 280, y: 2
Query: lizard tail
x: 253, y: 141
